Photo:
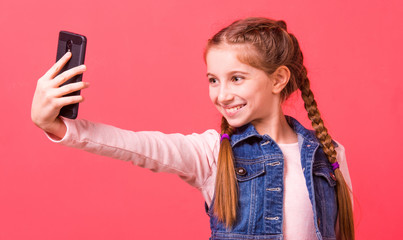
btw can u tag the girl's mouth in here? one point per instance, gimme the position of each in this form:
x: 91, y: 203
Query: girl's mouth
x: 233, y: 110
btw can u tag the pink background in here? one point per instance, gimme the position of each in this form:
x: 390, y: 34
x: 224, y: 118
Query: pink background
x: 145, y: 65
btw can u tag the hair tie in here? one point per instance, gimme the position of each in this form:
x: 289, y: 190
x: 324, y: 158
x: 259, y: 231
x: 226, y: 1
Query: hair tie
x: 335, y: 165
x: 225, y: 136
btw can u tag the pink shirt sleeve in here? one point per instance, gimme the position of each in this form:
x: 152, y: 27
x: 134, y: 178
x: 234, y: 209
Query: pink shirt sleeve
x: 192, y: 157
x: 341, y: 159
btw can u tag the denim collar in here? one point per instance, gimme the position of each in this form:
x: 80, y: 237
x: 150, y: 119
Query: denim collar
x: 249, y: 131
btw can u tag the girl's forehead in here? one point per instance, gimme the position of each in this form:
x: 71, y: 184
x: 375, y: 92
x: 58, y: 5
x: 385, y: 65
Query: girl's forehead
x: 225, y: 58
x: 225, y: 47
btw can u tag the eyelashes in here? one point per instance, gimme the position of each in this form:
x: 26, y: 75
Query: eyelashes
x: 233, y: 79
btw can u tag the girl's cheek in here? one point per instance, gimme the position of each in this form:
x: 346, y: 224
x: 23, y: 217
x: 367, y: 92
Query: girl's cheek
x: 213, y: 95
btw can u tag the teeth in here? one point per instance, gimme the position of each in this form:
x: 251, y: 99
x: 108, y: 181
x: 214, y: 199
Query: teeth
x: 234, y: 109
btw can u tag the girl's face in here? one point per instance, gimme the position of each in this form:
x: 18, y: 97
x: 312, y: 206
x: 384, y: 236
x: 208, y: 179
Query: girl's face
x: 241, y: 93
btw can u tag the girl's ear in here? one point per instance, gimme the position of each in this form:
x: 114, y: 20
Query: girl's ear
x: 280, y: 78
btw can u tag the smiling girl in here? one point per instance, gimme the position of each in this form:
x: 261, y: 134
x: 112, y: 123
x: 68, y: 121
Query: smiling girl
x: 265, y: 176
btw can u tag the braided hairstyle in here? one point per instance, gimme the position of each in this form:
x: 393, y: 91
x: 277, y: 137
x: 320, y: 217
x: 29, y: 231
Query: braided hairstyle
x: 267, y: 45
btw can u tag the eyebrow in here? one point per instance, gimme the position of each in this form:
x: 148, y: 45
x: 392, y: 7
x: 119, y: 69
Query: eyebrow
x: 230, y: 73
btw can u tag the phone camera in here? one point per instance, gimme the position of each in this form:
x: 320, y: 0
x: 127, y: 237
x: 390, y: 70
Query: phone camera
x: 69, y: 45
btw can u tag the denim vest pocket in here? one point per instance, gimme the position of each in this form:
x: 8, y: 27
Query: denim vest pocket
x: 326, y: 200
x: 327, y: 174
x: 246, y: 171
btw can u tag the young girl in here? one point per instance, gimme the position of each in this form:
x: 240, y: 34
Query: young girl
x: 265, y: 176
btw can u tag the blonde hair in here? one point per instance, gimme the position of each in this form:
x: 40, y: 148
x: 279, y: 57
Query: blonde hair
x: 271, y: 46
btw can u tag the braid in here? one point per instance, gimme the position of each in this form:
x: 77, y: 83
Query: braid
x: 317, y: 122
x: 226, y: 188
x: 343, y: 193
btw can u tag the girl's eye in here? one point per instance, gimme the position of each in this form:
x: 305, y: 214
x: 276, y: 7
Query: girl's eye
x: 212, y: 80
x: 236, y: 78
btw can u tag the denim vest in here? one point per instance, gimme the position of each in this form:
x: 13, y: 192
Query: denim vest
x: 259, y: 164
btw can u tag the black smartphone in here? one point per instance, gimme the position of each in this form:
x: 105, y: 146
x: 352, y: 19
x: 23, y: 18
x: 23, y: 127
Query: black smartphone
x: 76, y: 44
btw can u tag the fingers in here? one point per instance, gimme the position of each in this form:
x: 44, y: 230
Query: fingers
x: 64, y: 101
x: 49, y: 98
x: 72, y: 87
x: 55, y: 69
x: 66, y: 75
x: 58, y: 79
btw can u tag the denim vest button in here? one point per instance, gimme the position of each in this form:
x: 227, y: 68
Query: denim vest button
x: 267, y: 142
x: 274, y: 163
x: 241, y: 171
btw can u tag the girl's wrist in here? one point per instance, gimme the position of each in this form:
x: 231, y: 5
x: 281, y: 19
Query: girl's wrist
x: 57, y: 130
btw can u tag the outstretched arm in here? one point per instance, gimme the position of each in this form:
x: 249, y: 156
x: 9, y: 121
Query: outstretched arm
x: 191, y: 157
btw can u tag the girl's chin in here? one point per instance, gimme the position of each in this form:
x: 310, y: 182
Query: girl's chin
x: 235, y: 123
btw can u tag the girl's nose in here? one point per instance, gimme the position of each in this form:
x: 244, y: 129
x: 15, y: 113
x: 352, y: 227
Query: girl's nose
x: 225, y: 96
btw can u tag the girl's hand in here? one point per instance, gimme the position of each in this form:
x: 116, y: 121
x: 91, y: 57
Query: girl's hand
x: 48, y: 98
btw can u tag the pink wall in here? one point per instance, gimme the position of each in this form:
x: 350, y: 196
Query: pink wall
x: 145, y: 65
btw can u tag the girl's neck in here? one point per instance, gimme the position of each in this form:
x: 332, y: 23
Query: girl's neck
x: 277, y: 128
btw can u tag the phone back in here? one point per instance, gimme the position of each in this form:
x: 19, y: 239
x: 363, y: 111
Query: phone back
x: 76, y: 44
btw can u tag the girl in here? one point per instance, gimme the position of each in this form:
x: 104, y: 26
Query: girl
x: 265, y: 176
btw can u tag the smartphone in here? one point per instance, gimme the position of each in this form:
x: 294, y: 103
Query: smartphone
x: 76, y: 44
